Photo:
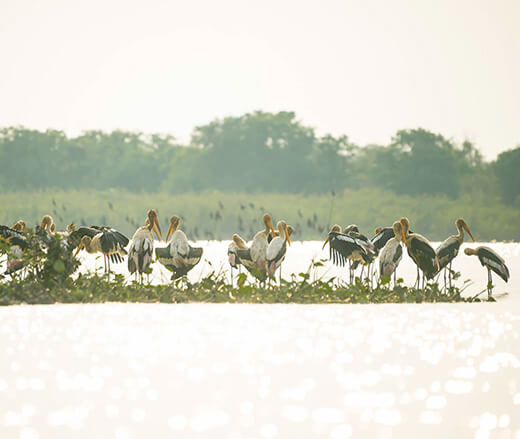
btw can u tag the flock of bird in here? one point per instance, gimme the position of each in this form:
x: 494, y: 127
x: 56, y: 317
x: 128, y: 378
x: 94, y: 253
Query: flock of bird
x: 353, y: 247
x: 266, y: 252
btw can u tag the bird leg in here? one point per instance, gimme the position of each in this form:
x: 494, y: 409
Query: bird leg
x: 489, y: 285
x: 449, y: 275
x: 231, y: 271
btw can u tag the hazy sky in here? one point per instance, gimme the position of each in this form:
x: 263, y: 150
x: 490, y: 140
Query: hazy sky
x: 361, y: 68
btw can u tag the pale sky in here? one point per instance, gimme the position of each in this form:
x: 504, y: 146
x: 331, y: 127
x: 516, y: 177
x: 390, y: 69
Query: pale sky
x: 360, y: 68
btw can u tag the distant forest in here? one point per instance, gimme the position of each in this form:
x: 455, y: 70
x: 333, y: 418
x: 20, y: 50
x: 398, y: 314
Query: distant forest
x: 254, y: 153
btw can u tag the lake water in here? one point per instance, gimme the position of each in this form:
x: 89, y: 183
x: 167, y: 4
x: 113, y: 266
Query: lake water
x: 265, y: 371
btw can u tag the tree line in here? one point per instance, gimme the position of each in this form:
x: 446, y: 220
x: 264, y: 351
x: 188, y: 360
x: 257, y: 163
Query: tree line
x: 256, y: 152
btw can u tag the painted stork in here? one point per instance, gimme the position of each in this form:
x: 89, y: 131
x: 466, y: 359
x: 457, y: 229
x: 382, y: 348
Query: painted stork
x: 102, y: 239
x: 275, y: 253
x: 178, y: 256
x: 237, y: 243
x: 392, y: 253
x: 16, y: 238
x: 421, y: 252
x: 258, y: 248
x: 141, y: 249
x: 353, y: 231
x: 449, y: 248
x: 345, y: 247
x: 492, y: 261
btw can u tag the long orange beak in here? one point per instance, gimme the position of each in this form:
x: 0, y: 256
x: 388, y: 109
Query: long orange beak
x: 466, y: 228
x: 403, y: 235
x: 287, y: 237
x: 271, y: 226
x: 77, y: 251
x: 156, y: 226
x: 169, y: 232
x: 325, y: 243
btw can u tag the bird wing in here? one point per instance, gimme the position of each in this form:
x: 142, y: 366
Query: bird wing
x: 244, y: 255
x: 112, y: 241
x: 341, y: 247
x: 13, y: 237
x: 75, y: 237
x: 447, y: 251
x: 423, y: 247
x: 276, y: 251
x: 398, y: 254
x: 380, y: 240
x: 494, y: 262
x: 195, y: 253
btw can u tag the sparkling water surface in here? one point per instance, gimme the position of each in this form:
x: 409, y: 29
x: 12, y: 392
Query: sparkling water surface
x: 266, y: 371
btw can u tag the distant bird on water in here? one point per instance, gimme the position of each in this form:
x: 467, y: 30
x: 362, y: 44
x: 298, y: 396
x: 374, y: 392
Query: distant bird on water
x: 141, y: 249
x: 492, y: 261
x: 449, y: 248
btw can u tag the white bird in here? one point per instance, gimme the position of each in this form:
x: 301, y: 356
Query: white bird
x: 275, y: 253
x: 178, y: 256
x: 141, y: 249
x: 258, y: 248
x: 392, y: 253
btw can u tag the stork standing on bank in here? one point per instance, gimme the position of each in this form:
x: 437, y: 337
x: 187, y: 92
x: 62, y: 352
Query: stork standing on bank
x: 370, y: 253
x: 421, y: 252
x: 492, y: 261
x: 275, y: 253
x: 102, y: 239
x: 141, y: 250
x: 449, y: 248
x: 391, y: 254
x: 237, y: 243
x: 345, y: 248
x: 258, y: 248
x: 178, y: 256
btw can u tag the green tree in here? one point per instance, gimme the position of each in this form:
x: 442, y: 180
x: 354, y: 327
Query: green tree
x: 506, y: 169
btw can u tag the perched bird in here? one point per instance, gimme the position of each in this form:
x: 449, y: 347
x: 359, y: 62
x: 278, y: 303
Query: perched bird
x: 17, y: 244
x: 178, y: 256
x: 421, y: 252
x: 48, y: 224
x: 141, y: 249
x: 449, y: 248
x: 391, y: 253
x: 492, y: 261
x: 258, y: 248
x: 353, y: 231
x: 102, y: 239
x: 275, y: 253
x: 345, y: 248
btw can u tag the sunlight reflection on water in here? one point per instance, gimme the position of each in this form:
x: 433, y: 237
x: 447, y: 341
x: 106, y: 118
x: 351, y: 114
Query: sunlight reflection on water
x: 131, y: 370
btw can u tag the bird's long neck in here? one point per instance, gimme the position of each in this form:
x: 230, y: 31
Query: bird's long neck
x: 460, y: 235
